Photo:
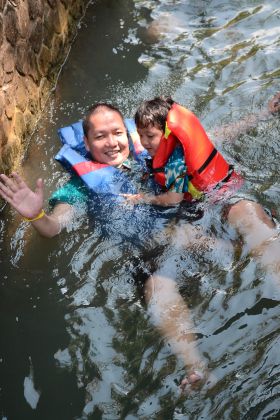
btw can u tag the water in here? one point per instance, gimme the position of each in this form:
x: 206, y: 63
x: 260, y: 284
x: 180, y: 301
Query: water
x: 76, y: 338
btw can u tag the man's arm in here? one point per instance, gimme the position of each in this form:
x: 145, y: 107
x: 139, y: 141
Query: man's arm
x: 29, y: 204
x: 51, y: 224
x: 234, y: 130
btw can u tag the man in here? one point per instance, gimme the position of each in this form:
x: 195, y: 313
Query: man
x: 106, y: 140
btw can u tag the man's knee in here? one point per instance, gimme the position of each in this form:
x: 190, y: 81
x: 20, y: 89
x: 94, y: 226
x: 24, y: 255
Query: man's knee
x: 162, y: 289
x: 248, y: 212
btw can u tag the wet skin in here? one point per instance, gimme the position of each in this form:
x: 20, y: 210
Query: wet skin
x: 150, y: 138
x: 107, y: 138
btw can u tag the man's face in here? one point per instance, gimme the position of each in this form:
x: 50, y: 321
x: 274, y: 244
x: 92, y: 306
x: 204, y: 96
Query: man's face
x: 107, y: 138
x: 150, y: 138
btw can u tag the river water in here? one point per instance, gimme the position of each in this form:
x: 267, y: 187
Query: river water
x: 77, y: 341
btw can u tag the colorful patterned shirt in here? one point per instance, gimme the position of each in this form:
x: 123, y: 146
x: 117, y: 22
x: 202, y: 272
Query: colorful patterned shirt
x: 175, y: 171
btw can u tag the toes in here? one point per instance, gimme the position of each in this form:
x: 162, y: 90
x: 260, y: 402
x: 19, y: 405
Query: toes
x: 194, y: 379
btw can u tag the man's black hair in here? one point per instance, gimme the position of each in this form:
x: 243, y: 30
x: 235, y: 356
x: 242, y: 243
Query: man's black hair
x: 96, y: 108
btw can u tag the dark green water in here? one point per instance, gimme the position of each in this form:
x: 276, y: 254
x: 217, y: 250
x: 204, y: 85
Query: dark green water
x: 76, y: 339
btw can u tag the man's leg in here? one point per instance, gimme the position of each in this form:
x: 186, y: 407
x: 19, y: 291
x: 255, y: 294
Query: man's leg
x: 258, y: 231
x: 171, y: 315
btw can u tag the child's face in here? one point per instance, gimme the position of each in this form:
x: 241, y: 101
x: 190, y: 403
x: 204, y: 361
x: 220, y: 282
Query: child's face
x: 150, y: 138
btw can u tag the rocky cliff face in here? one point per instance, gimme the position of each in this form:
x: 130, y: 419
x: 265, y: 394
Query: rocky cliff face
x: 35, y: 36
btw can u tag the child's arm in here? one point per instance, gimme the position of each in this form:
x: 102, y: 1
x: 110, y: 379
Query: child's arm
x: 175, y: 181
x: 166, y: 199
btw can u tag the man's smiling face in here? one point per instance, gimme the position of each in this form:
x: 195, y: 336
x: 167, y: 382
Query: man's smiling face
x: 107, y: 137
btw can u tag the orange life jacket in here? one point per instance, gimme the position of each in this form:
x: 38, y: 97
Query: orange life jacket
x: 206, y: 167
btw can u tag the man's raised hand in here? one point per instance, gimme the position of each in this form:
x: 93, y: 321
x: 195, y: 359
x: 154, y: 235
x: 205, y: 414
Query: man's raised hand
x: 16, y: 192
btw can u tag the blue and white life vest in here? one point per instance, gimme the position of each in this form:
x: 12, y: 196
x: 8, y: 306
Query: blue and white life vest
x: 100, y: 178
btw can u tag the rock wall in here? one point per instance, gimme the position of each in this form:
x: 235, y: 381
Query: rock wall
x: 35, y: 36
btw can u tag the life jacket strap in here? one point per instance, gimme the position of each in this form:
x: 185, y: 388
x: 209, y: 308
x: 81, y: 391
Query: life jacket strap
x: 207, y: 161
x: 201, y: 169
x: 226, y: 179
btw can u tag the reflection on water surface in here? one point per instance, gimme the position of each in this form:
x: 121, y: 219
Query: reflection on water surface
x: 77, y: 341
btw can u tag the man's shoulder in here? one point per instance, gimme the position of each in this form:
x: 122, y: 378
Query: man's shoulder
x: 73, y: 192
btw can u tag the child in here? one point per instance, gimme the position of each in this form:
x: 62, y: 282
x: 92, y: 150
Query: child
x: 184, y: 161
x: 187, y: 165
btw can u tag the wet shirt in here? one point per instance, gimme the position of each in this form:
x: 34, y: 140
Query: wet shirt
x: 175, y: 171
x: 114, y: 217
x: 75, y: 192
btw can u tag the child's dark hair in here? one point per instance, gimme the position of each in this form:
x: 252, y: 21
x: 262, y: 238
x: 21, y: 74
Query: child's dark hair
x: 153, y: 112
x: 96, y: 108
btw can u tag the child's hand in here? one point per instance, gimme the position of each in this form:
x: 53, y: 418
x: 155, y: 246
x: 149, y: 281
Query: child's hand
x: 274, y: 104
x: 133, y: 198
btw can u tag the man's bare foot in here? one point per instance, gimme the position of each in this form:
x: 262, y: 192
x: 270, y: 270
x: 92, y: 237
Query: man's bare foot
x: 194, y: 380
x: 274, y: 104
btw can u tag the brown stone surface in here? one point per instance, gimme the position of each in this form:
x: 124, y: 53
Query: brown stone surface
x: 1, y: 104
x: 21, y: 97
x: 58, y: 21
x: 28, y: 119
x: 6, y: 125
x: 8, y: 59
x: 11, y: 26
x: 65, y: 3
x: 33, y: 67
x: 1, y: 31
x: 18, y: 124
x: 35, y: 8
x: 22, y: 64
x: 11, y: 153
x: 45, y: 91
x: 57, y: 45
x: 76, y: 10
x: 52, y: 3
x: 33, y: 96
x: 10, y: 110
x: 1, y: 75
x: 15, y: 3
x: 10, y: 106
x: 8, y: 77
x: 48, y: 27
x: 35, y: 36
x: 3, y: 137
x: 24, y: 21
x: 44, y: 60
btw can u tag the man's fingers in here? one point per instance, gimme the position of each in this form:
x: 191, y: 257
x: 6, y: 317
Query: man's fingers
x: 40, y: 183
x: 5, y: 197
x: 5, y: 191
x: 39, y: 188
x: 9, y: 183
x: 18, y: 179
